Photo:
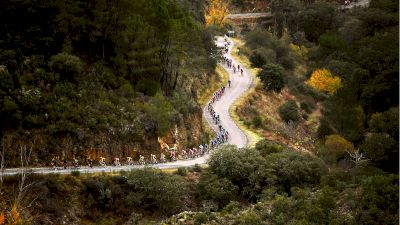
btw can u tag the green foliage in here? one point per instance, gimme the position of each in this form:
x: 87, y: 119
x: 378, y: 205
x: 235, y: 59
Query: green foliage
x: 266, y: 49
x: 67, y: 66
x: 257, y: 121
x: 219, y: 190
x: 153, y: 190
x: 318, y: 18
x: 160, y: 114
x: 295, y: 170
x: 337, y: 147
x: 90, y: 72
x: 266, y: 147
x: 251, y: 173
x: 380, y: 195
x: 245, y: 168
x: 76, y: 173
x: 257, y: 59
x: 289, y: 111
x: 196, y: 168
x: 386, y: 122
x: 272, y: 77
x: 379, y: 147
x: 182, y: 171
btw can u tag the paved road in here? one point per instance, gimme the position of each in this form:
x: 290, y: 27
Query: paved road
x: 249, y: 15
x: 358, y: 3
x: 239, y: 85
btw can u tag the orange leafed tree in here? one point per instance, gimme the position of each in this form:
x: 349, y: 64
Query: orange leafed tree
x: 2, y: 218
x: 216, y: 12
x: 323, y: 80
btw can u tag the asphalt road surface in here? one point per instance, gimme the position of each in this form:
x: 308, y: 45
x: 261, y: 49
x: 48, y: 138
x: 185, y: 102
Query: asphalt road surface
x: 239, y: 85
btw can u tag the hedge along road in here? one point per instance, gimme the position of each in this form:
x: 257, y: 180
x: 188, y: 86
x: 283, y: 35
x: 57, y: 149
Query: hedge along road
x: 239, y: 85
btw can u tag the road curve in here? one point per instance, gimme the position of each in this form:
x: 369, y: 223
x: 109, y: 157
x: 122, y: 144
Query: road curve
x: 240, y: 84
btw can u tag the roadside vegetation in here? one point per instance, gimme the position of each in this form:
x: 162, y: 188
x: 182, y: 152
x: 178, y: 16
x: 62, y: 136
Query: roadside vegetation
x: 88, y: 79
x: 114, y: 76
x: 268, y: 184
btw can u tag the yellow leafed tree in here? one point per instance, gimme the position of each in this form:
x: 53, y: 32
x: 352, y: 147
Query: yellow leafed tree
x: 323, y: 80
x: 216, y: 12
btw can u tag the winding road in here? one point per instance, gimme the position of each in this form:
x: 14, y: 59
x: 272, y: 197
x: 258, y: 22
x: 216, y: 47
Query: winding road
x: 239, y: 85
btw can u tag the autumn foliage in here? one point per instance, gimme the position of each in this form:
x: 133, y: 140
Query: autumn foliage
x: 216, y: 12
x: 338, y: 146
x: 323, y: 80
x: 12, y: 217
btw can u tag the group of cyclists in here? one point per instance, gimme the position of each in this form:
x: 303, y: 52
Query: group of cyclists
x: 222, y: 136
x: 190, y: 153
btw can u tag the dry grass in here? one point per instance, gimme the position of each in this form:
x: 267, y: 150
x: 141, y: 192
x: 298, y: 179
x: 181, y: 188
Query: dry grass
x: 252, y: 136
x: 257, y: 102
x: 216, y: 81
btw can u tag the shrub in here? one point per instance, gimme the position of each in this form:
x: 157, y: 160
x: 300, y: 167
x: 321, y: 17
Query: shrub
x: 75, y: 173
x: 257, y: 121
x: 155, y: 191
x: 200, y: 218
x: 295, y: 169
x: 271, y: 76
x: 378, y: 148
x: 219, y: 190
x: 289, y: 111
x: 67, y: 66
x: 182, y: 171
x: 323, y: 80
x: 232, y: 207
x: 197, y: 168
x: 337, y: 146
x: 304, y: 106
x: 257, y: 59
x: 245, y: 168
x: 266, y: 147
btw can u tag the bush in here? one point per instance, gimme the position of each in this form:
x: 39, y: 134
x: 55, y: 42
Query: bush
x: 245, y: 168
x: 293, y: 169
x: 197, y: 168
x: 69, y: 67
x: 75, y: 173
x: 266, y: 147
x: 271, y: 76
x: 257, y: 121
x: 182, y: 171
x: 155, y: 191
x: 304, y: 106
x: 289, y: 111
x: 338, y: 147
x: 257, y: 59
x: 219, y: 190
x: 378, y: 148
x: 200, y: 218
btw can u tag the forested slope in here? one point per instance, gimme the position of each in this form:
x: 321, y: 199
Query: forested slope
x: 105, y: 75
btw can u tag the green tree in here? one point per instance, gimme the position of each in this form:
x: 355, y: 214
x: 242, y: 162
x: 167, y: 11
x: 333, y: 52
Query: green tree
x: 153, y: 190
x: 69, y: 67
x: 271, y: 76
x: 289, y: 111
x: 220, y: 190
x: 317, y: 18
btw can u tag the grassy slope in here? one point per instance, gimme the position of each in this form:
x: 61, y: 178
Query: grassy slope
x: 256, y: 102
x: 253, y: 136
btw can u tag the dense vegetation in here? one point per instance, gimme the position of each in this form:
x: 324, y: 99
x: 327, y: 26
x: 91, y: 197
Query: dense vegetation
x: 115, y: 75
x: 345, y: 59
x: 269, y: 184
x: 107, y: 75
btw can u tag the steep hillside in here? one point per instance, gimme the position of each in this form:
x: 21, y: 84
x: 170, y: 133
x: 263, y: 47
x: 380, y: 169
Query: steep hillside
x: 101, y: 78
